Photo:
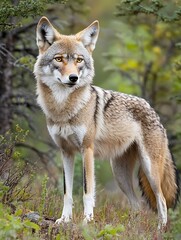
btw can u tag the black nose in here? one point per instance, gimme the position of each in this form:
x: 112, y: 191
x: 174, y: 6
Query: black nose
x: 73, y: 78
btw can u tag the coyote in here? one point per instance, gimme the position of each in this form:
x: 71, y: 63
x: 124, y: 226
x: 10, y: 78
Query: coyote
x: 85, y: 118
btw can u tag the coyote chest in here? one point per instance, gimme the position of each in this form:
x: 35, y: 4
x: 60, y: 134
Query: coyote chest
x: 72, y: 134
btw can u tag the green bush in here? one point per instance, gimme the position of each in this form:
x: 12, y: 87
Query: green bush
x: 12, y: 226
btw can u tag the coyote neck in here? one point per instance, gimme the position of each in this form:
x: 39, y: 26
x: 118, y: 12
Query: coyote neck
x: 59, y: 104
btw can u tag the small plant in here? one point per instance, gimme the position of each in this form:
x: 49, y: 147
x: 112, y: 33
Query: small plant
x: 14, y: 187
x: 110, y: 231
x: 13, y: 169
x: 12, y: 226
x: 43, y: 194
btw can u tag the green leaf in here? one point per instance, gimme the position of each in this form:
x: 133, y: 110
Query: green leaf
x: 110, y: 230
x: 18, y: 212
x: 58, y: 237
x: 32, y: 225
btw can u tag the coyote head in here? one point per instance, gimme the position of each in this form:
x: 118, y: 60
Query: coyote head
x: 65, y: 60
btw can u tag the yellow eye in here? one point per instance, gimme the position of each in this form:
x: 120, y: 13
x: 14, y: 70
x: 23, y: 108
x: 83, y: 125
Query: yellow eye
x: 79, y: 60
x: 58, y: 59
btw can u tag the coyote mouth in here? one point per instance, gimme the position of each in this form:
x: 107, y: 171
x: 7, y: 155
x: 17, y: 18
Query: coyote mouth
x: 67, y: 84
x: 70, y: 84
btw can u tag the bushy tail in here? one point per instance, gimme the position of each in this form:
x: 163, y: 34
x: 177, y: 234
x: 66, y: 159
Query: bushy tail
x: 170, y: 185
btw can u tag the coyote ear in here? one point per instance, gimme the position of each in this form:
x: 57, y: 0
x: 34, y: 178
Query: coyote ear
x: 45, y: 34
x: 89, y: 36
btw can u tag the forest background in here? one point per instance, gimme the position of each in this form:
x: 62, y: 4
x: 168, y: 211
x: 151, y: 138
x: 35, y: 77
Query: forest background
x: 138, y: 52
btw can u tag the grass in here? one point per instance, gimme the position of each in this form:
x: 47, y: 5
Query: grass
x: 111, y: 221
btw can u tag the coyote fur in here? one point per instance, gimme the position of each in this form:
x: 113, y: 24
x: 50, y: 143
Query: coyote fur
x: 85, y: 118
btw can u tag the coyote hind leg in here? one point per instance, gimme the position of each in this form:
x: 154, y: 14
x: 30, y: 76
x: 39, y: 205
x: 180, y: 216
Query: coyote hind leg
x: 122, y: 167
x: 151, y: 169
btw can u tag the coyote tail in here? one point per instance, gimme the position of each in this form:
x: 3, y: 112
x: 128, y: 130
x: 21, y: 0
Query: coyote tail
x: 170, y: 185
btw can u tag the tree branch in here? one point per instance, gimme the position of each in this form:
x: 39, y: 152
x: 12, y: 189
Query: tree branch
x: 44, y: 159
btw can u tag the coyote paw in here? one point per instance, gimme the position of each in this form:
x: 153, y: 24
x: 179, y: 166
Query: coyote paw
x: 162, y: 226
x: 88, y: 219
x: 63, y: 219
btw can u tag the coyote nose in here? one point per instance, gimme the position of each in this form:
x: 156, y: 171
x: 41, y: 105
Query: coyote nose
x: 73, y: 78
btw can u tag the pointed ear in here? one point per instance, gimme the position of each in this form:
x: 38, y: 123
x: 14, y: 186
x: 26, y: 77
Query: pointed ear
x: 45, y: 34
x: 89, y: 36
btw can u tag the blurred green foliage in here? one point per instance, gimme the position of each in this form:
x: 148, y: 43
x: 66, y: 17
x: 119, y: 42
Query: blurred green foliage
x: 22, y: 9
x: 12, y: 227
x: 164, y: 10
x: 144, y: 59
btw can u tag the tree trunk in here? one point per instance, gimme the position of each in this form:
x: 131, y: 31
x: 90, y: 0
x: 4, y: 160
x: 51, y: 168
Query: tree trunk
x: 6, y: 66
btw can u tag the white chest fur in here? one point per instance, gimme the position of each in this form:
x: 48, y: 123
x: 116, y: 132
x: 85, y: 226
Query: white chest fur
x: 74, y: 134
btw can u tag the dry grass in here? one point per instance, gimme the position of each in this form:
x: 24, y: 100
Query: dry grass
x: 111, y: 221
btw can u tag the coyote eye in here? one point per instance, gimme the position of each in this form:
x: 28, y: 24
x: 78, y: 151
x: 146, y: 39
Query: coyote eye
x: 58, y: 59
x: 79, y: 60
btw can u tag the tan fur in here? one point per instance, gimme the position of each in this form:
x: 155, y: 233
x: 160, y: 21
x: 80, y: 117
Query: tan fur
x: 87, y: 119
x: 88, y: 155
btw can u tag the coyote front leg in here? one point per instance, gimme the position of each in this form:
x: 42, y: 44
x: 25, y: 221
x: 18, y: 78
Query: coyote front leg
x: 89, y: 183
x: 68, y: 173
